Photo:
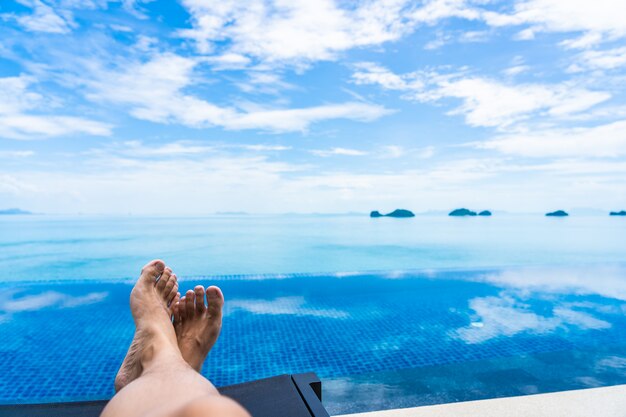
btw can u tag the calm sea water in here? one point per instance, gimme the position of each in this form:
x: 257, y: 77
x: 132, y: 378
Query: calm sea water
x: 104, y: 248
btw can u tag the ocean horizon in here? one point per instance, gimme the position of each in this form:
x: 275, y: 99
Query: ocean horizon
x: 50, y: 247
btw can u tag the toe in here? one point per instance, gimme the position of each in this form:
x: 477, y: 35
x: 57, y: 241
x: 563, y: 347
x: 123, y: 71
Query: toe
x: 176, y: 308
x: 164, y: 280
x: 151, y: 271
x: 199, y: 292
x: 170, y: 289
x: 190, y: 299
x: 215, y: 301
x: 175, y: 300
x: 182, y: 311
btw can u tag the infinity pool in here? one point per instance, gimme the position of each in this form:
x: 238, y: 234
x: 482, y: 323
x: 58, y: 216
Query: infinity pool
x: 377, y: 340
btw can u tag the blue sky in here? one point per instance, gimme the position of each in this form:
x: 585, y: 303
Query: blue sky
x: 200, y: 106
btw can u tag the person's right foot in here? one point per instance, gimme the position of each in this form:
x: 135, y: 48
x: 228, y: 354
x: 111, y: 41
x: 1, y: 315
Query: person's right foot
x: 198, y: 325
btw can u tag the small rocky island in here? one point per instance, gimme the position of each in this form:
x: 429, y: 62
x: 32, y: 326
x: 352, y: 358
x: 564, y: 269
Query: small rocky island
x: 618, y: 213
x: 462, y: 212
x: 558, y: 213
x: 485, y: 213
x: 400, y: 213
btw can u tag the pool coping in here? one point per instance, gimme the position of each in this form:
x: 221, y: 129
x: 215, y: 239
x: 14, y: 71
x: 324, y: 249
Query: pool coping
x: 251, y: 276
x: 603, y: 401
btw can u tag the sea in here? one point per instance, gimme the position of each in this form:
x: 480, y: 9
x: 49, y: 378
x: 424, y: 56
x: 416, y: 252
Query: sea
x: 45, y: 247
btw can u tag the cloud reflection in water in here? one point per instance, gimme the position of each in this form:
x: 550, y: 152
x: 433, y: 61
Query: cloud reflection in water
x: 515, y: 310
x: 284, y: 305
x: 49, y: 299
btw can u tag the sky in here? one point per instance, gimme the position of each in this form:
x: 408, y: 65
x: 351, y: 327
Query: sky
x: 193, y: 107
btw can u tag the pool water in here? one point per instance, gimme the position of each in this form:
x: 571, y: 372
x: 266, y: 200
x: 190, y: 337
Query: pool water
x: 377, y: 340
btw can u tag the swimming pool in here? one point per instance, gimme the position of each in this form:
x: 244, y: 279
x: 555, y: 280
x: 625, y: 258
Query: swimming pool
x: 377, y: 340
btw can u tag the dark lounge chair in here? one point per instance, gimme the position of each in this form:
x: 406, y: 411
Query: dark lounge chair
x: 298, y: 395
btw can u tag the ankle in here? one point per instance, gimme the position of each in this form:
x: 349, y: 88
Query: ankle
x: 157, y: 345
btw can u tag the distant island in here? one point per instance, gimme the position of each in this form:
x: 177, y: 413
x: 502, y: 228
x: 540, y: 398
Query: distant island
x: 485, y: 213
x: 462, y: 212
x: 12, y: 211
x: 618, y: 213
x: 396, y: 213
x: 558, y: 213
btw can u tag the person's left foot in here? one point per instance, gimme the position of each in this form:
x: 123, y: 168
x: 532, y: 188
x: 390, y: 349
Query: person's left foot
x: 151, y: 302
x: 198, y: 325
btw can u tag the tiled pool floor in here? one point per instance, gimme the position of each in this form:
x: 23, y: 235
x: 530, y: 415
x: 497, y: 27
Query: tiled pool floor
x: 378, y: 341
x: 476, y: 380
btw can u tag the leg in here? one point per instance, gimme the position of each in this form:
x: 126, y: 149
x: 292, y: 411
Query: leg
x: 155, y: 380
x: 211, y: 406
x: 167, y: 386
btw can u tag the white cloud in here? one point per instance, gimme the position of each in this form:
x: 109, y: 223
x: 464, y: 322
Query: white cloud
x: 485, y: 101
x: 475, y: 36
x: 19, y: 119
x: 121, y: 28
x: 261, y: 183
x: 155, y: 91
x: 33, y: 127
x: 285, y: 120
x: 265, y: 148
x: 433, y: 11
x: 396, y: 151
x: 57, y: 16
x: 585, y: 41
x: 606, y: 59
x: 15, y: 97
x: 338, y: 151
x: 9, y: 185
x: 294, y: 32
x: 393, y: 151
x: 265, y: 82
x: 516, y: 69
x: 371, y: 73
x: 488, y: 102
x: 440, y: 40
x: 274, y: 32
x: 599, y: 19
x: 228, y: 61
x: 607, y: 140
x: 16, y: 154
x: 443, y: 38
x: 133, y: 7
x: 43, y: 18
x: 138, y: 149
x: 176, y: 149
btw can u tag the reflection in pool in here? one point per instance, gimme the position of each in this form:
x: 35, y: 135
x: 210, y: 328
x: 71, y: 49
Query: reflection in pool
x: 378, y: 340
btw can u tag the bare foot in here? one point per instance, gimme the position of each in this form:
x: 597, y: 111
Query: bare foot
x: 198, y: 326
x: 151, y: 302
